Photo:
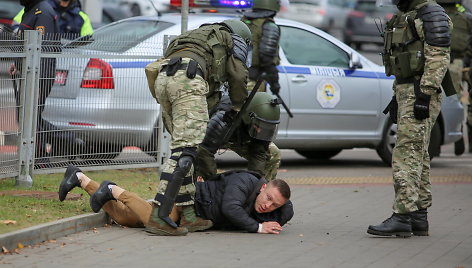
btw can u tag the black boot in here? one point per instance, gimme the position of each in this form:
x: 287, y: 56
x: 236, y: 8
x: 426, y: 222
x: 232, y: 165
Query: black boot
x: 469, y: 135
x: 397, y: 224
x: 69, y: 182
x: 419, y: 222
x: 101, y: 196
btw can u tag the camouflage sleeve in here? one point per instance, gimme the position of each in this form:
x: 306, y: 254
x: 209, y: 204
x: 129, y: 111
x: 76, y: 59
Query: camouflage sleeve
x: 437, y: 60
x: 237, y: 80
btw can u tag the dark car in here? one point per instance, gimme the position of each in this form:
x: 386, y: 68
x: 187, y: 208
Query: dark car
x: 365, y: 21
x: 8, y: 10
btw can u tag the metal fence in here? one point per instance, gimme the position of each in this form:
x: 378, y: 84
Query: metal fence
x: 81, y: 101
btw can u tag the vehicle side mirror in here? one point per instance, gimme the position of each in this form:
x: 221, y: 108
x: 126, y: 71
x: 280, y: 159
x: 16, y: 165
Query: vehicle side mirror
x: 355, y: 61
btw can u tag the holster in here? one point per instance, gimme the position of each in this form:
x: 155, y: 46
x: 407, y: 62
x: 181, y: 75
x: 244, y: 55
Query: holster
x: 173, y: 66
x: 192, y: 69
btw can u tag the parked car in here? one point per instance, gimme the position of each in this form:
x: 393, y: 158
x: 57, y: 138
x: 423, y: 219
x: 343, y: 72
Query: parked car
x: 366, y: 21
x: 336, y: 94
x: 323, y: 14
x: 143, y: 7
x: 110, y: 13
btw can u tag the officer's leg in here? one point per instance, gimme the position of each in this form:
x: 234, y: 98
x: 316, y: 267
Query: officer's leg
x: 274, y: 162
x: 256, y: 153
x: 189, y: 119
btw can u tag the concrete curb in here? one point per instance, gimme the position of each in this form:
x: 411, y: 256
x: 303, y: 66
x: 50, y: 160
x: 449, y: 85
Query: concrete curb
x: 52, y: 230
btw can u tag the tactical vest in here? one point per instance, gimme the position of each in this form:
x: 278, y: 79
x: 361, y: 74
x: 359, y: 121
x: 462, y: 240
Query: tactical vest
x: 460, y: 33
x: 205, y: 45
x: 403, y: 54
x: 255, y: 25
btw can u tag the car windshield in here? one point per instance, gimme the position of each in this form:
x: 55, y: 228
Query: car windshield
x: 128, y: 33
x: 372, y: 6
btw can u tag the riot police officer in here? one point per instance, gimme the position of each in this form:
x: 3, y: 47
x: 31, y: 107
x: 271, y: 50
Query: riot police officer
x: 417, y: 52
x: 264, y: 60
x: 460, y: 36
x: 185, y: 83
x: 39, y: 15
x: 250, y: 140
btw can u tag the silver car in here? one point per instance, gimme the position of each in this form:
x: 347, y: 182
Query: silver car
x: 336, y: 95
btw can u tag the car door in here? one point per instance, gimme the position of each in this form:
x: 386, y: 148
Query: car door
x: 329, y: 100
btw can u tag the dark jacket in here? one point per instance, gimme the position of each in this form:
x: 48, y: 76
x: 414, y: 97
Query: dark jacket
x: 228, y: 201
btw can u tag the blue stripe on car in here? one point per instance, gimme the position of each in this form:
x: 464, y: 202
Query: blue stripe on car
x: 282, y: 69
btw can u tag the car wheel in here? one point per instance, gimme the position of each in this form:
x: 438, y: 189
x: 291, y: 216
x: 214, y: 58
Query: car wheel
x: 135, y: 10
x: 389, y: 138
x: 100, y: 151
x: 319, y: 154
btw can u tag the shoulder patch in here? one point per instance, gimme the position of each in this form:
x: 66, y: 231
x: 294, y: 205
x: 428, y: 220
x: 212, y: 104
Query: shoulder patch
x: 40, y: 29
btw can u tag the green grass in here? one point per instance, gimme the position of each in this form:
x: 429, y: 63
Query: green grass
x: 30, y: 211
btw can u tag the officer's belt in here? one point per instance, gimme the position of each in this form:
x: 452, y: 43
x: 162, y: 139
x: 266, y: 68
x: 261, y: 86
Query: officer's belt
x: 183, y: 66
x: 409, y: 80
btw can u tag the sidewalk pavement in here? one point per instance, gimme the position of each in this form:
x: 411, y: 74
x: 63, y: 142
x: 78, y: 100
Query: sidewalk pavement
x: 328, y: 230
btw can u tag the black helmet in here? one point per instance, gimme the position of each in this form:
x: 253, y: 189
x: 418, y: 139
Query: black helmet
x: 262, y: 116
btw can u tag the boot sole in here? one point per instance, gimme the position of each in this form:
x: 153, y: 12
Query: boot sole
x: 197, y: 228
x: 399, y: 234
x: 421, y: 233
x: 160, y: 232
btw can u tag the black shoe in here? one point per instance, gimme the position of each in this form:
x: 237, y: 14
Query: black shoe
x: 397, y: 224
x: 459, y: 147
x: 69, y: 182
x: 101, y: 196
x: 419, y: 222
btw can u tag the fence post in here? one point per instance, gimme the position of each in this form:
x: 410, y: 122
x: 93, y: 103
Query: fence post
x: 29, y: 99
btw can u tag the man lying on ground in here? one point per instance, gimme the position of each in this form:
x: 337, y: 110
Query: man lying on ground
x: 236, y: 200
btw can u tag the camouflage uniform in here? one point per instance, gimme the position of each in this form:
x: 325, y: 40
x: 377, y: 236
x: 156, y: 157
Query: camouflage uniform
x: 410, y: 160
x: 185, y: 101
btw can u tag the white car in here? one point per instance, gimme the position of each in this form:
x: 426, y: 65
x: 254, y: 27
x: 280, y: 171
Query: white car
x: 144, y: 7
x: 336, y: 94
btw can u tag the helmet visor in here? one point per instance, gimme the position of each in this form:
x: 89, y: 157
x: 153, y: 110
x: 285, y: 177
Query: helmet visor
x: 261, y: 129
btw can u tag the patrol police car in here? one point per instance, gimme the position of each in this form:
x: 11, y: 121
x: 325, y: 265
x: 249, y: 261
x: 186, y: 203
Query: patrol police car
x: 336, y: 94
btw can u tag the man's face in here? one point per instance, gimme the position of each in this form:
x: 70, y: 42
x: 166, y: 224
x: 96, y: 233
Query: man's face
x: 63, y: 3
x: 269, y: 199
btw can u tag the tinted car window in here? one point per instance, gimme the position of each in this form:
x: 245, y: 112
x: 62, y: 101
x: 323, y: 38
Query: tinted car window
x: 130, y: 34
x: 311, y: 49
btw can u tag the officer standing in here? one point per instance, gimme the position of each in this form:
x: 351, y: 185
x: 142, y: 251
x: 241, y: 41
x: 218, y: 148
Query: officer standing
x: 250, y: 139
x: 264, y: 59
x: 460, y: 35
x: 71, y: 19
x: 416, y: 51
x: 39, y: 15
x: 185, y: 83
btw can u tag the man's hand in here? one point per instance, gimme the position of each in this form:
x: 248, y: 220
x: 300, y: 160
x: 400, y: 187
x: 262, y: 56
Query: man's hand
x: 271, y: 227
x: 12, y: 70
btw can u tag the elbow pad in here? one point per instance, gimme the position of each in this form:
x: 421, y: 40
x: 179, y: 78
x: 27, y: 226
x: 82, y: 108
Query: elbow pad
x: 239, y: 48
x: 269, y: 43
x: 436, y: 25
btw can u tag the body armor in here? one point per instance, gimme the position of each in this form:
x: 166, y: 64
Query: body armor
x: 403, y: 54
x: 460, y: 32
x: 255, y: 25
x: 205, y: 45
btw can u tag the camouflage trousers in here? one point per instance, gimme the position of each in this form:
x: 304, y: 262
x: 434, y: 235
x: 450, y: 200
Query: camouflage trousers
x: 262, y: 159
x: 410, y: 160
x: 185, y: 115
x: 456, y: 74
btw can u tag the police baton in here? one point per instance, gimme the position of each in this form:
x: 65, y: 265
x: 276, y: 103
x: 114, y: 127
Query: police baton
x: 281, y: 101
x: 239, y: 115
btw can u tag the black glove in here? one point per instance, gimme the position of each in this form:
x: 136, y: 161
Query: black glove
x: 421, y: 106
x: 392, y: 110
x: 272, y: 77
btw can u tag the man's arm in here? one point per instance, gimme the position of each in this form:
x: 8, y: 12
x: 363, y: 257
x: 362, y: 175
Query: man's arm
x: 237, y: 73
